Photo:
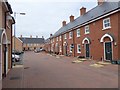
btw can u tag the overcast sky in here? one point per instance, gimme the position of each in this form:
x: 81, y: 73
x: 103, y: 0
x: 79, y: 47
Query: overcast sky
x: 45, y: 17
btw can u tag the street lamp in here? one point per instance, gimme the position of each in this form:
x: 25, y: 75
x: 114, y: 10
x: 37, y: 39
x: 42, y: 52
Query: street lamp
x: 15, y: 13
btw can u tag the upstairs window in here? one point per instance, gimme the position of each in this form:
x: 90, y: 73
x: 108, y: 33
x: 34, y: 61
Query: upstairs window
x: 60, y: 37
x: 87, y: 31
x: 57, y: 39
x: 106, y: 23
x: 70, y: 35
x: 78, y: 32
x: 65, y: 37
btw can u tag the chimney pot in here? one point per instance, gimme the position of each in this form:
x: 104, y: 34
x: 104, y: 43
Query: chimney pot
x: 36, y: 36
x: 30, y: 36
x: 71, y: 18
x: 82, y: 11
x: 21, y: 36
x: 100, y: 2
x: 63, y: 23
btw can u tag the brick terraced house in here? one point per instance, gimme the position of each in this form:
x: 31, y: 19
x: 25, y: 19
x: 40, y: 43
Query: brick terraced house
x: 6, y: 22
x: 94, y: 34
x: 30, y: 43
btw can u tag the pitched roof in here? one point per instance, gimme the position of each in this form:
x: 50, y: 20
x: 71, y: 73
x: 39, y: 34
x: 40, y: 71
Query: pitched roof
x: 94, y: 13
x: 32, y: 40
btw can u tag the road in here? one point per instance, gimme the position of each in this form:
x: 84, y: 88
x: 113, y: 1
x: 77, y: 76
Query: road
x: 41, y: 70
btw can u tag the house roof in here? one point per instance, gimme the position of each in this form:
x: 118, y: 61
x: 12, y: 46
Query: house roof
x: 32, y: 40
x: 94, y: 13
x: 0, y: 34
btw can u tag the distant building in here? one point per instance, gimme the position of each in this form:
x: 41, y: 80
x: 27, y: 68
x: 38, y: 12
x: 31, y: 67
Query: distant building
x: 94, y: 34
x: 32, y: 43
x: 18, y: 44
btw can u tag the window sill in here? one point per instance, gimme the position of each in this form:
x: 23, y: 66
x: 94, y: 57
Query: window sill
x: 78, y: 36
x: 87, y: 33
x: 78, y: 52
x: 106, y: 28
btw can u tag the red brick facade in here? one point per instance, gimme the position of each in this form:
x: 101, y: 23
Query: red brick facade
x: 99, y: 43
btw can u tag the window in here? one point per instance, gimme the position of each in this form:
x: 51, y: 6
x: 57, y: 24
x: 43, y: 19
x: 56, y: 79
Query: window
x: 71, y: 48
x: 53, y: 39
x: 70, y: 35
x: 60, y: 38
x: 87, y: 31
x: 78, y: 48
x: 57, y: 39
x: 106, y: 23
x: 65, y: 37
x: 60, y: 49
x: 78, y: 32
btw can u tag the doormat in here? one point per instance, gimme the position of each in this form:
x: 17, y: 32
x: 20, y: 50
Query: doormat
x: 14, y: 78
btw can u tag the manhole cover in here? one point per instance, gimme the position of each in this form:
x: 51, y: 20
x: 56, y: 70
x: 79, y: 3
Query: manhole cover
x: 14, y: 78
x: 26, y: 67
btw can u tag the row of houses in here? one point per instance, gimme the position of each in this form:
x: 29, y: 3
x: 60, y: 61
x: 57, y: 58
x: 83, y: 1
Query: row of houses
x: 28, y: 43
x: 94, y: 34
x: 6, y: 22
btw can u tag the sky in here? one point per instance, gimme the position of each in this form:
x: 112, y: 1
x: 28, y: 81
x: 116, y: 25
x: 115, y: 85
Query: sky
x: 44, y: 17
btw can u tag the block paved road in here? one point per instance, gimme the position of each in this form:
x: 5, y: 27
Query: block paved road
x: 40, y: 70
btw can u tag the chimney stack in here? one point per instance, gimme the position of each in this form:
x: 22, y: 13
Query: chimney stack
x: 82, y: 11
x: 42, y: 36
x: 71, y: 18
x: 30, y: 36
x: 36, y: 36
x: 64, y: 23
x: 21, y: 36
x: 100, y: 2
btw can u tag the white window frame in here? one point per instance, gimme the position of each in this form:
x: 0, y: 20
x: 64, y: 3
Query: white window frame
x: 60, y: 37
x: 106, y: 23
x: 60, y: 48
x: 87, y: 29
x: 70, y: 35
x: 71, y: 48
x: 65, y: 36
x: 78, y: 33
x: 78, y: 48
x: 57, y: 39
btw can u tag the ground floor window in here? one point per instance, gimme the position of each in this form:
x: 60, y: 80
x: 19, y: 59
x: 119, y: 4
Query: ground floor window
x: 78, y: 48
x: 60, y: 49
x: 71, y: 48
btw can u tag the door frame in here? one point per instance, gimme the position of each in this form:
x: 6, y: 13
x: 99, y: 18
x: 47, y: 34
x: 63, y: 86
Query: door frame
x: 85, y: 50
x: 104, y: 50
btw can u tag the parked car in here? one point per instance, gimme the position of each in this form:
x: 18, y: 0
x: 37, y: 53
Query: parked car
x: 38, y: 50
x: 17, y: 52
x: 16, y: 58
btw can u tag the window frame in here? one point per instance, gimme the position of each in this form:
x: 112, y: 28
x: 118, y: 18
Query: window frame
x: 77, y: 32
x: 65, y: 36
x: 106, y: 23
x: 70, y: 35
x: 78, y: 48
x: 87, y: 29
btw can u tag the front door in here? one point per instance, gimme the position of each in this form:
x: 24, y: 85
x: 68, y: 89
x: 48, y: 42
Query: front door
x: 87, y: 51
x: 108, y: 50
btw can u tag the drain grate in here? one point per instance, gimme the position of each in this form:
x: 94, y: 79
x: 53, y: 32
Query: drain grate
x: 26, y: 67
x: 14, y: 78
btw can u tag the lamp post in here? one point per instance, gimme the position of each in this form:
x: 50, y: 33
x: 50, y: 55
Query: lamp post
x: 15, y: 14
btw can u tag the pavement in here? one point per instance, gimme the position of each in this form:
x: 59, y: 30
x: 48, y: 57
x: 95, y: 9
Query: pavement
x: 42, y: 70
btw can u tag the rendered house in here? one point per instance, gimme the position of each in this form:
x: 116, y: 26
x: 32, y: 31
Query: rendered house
x: 6, y: 21
x: 32, y: 43
x: 94, y: 34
